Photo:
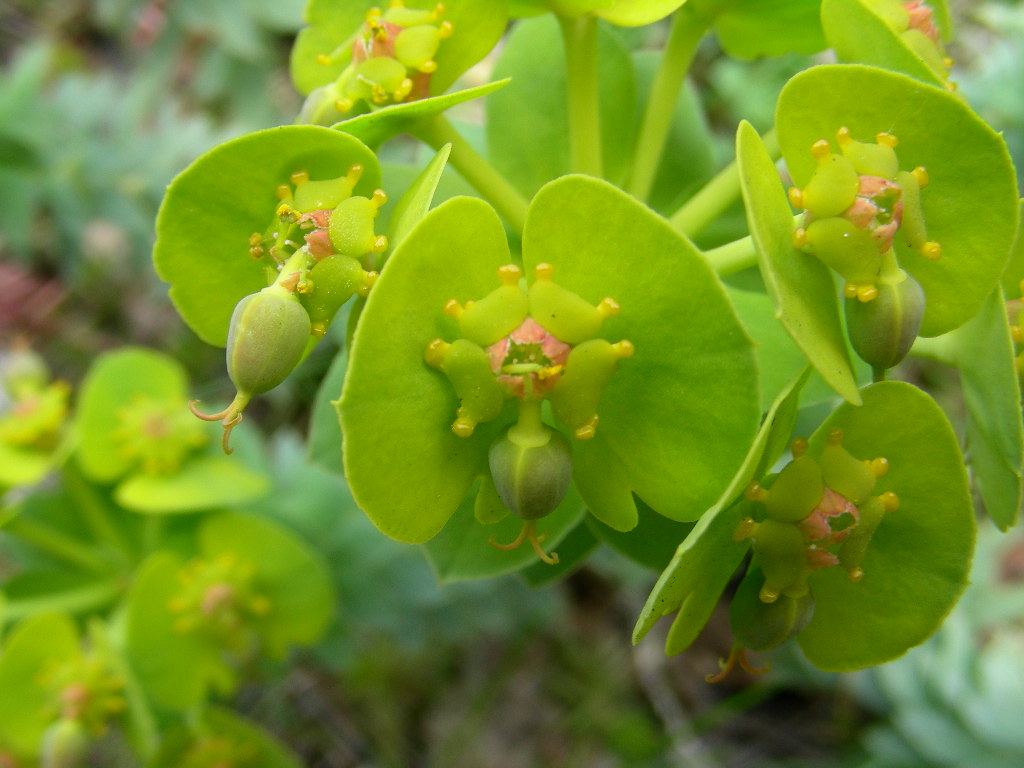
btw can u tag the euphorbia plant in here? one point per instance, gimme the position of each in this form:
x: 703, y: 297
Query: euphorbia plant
x: 548, y: 356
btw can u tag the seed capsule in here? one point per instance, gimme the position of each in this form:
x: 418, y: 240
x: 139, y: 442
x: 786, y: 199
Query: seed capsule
x: 760, y: 626
x: 267, y: 339
x: 531, y: 476
x: 882, y: 331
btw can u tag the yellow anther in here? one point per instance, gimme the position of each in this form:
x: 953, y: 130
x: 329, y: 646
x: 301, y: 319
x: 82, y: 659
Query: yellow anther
x: 799, y: 238
x: 427, y: 67
x: 623, y: 349
x: 379, y: 95
x: 543, y: 271
x: 835, y: 437
x: 509, y: 274
x: 343, y: 105
x: 948, y: 62
x: 866, y: 293
x: 889, y: 501
x: 820, y: 149
x: 879, y: 467
x: 931, y: 250
x: 380, y: 244
x: 355, y: 172
x: 373, y: 16
x: 463, y: 426
x: 745, y: 529
x: 323, y: 59
x: 796, y: 197
x: 921, y: 174
x: 608, y: 307
x: 887, y: 139
x: 369, y: 279
x: 755, y: 492
x: 396, y: 4
x: 768, y: 594
x: 255, y: 239
x: 283, y: 192
x: 843, y: 136
x: 1017, y: 332
x: 434, y: 354
x: 299, y: 177
x: 855, y: 574
x: 304, y: 286
x: 291, y: 282
x: 318, y: 329
x: 850, y: 291
x: 378, y: 198
x: 444, y: 30
x: 549, y: 372
x: 404, y: 89
x: 285, y: 210
x: 453, y: 309
x: 588, y: 430
x: 798, y: 447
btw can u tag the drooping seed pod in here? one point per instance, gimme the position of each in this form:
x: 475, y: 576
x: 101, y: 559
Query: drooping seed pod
x: 65, y: 744
x: 267, y: 339
x: 882, y: 331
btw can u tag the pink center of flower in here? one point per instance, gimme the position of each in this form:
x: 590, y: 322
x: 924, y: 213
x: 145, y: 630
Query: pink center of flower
x: 826, y: 526
x: 878, y: 208
x: 920, y: 18
x: 529, y: 360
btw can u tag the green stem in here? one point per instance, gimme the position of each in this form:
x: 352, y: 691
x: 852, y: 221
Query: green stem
x: 697, y: 212
x: 732, y: 257
x: 493, y: 186
x: 94, y: 511
x: 56, y: 544
x: 688, y: 28
x: 877, y: 374
x: 580, y: 38
x: 529, y: 430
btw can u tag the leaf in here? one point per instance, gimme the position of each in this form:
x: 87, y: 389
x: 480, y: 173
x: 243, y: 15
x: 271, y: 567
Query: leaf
x: 677, y: 445
x: 983, y: 351
x: 970, y: 202
x: 22, y: 466
x: 28, y: 705
x: 416, y: 201
x: 215, y: 204
x: 405, y: 467
x: 461, y: 550
x: 858, y: 33
x: 705, y: 560
x: 116, y: 380
x: 527, y: 122
x: 1013, y: 276
x: 919, y: 558
x: 324, y: 430
x: 801, y: 286
x: 748, y: 29
x: 636, y: 13
x: 651, y: 543
x: 204, y: 482
x: 374, y: 128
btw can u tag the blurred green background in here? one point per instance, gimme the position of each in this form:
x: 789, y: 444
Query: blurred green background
x: 103, y: 102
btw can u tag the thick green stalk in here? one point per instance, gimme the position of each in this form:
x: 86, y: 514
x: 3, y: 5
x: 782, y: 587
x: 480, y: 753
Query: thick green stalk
x: 732, y: 257
x: 493, y: 186
x: 688, y: 27
x: 697, y: 212
x: 580, y: 37
x: 85, y: 598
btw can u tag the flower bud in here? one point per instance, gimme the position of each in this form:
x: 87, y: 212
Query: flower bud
x: 531, y: 472
x: 882, y: 331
